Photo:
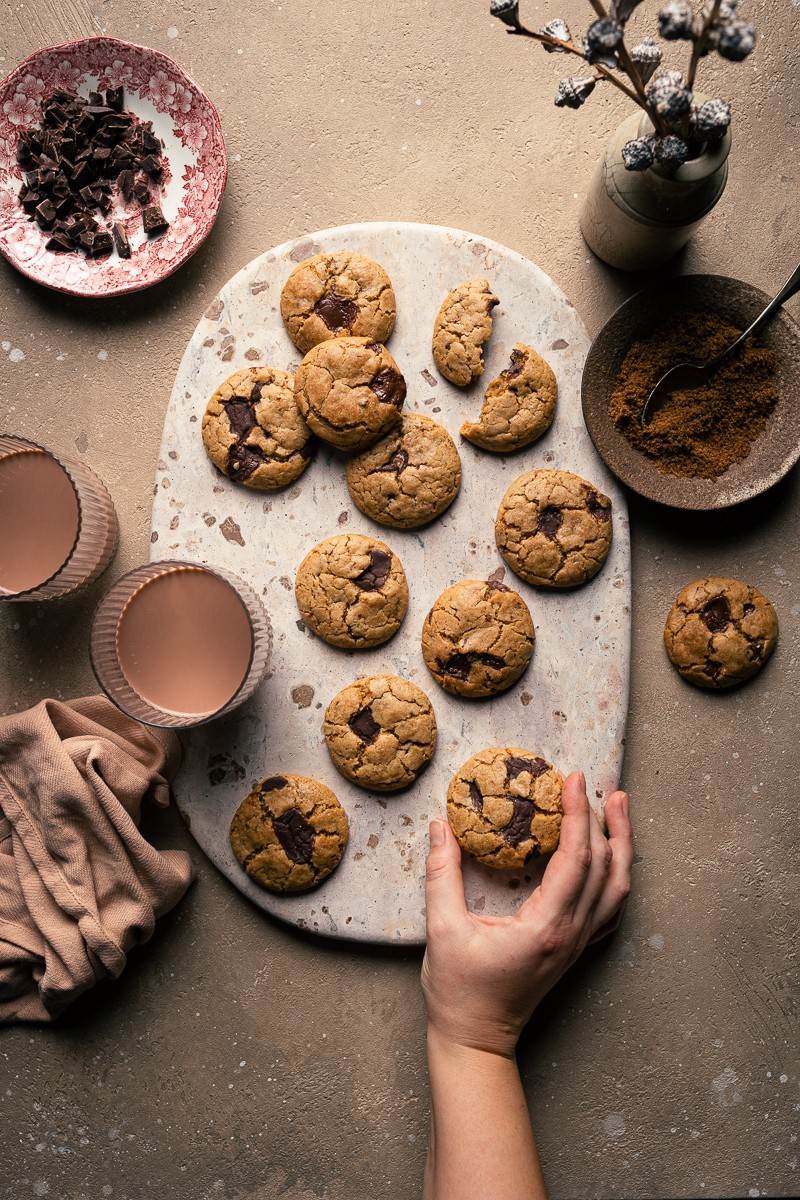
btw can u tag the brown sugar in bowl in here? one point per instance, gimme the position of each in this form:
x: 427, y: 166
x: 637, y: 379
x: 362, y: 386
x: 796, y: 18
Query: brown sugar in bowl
x: 774, y: 452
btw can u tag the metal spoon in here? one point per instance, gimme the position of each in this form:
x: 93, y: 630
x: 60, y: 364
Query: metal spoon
x: 691, y: 375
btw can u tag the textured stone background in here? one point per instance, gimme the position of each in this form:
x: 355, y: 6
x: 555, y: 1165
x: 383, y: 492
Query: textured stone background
x: 236, y: 1059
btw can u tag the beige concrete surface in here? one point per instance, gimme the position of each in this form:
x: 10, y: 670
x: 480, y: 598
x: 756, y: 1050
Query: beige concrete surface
x: 236, y: 1059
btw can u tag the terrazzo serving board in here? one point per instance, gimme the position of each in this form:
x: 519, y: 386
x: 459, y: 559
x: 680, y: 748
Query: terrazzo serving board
x: 571, y: 704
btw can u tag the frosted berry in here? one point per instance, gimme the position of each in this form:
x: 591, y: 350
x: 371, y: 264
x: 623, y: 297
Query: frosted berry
x: 573, y: 91
x: 669, y: 95
x: 736, y: 40
x: 506, y: 10
x: 637, y: 154
x: 602, y: 40
x: 711, y: 119
x: 647, y: 56
x: 671, y: 152
x: 676, y: 21
x: 559, y: 30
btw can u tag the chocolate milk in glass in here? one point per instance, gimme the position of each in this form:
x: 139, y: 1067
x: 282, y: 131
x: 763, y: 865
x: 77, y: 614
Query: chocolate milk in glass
x: 38, y: 519
x: 184, y: 641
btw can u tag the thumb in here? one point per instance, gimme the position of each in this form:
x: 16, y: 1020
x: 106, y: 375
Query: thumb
x: 444, y: 886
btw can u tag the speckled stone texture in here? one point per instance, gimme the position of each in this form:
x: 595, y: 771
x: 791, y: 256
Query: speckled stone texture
x: 573, y: 703
x: 666, y: 1063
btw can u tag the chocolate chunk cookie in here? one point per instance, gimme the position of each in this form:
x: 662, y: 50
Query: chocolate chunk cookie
x: 289, y: 833
x: 478, y: 638
x: 409, y: 477
x: 518, y: 406
x: 720, y: 631
x: 463, y: 324
x: 352, y: 591
x: 504, y: 806
x: 350, y: 391
x: 380, y: 732
x: 337, y: 295
x: 253, y: 431
x: 553, y: 528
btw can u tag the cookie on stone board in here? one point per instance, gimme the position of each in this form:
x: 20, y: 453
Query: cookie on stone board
x: 380, y: 732
x: 462, y: 326
x: 343, y: 294
x: 290, y: 833
x: 352, y: 591
x: 553, y: 528
x: 478, y: 638
x: 519, y: 405
x: 720, y: 632
x: 254, y: 432
x: 504, y: 806
x: 350, y: 391
x: 409, y: 477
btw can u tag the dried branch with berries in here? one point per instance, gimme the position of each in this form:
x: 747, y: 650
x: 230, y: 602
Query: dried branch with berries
x: 682, y: 130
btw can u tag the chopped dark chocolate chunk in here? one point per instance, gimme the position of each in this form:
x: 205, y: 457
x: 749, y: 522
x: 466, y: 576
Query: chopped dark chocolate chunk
x: 115, y: 98
x: 459, y: 665
x: 153, y: 220
x: 549, y: 523
x: 518, y: 766
x: 121, y: 240
x: 81, y: 152
x: 364, y: 726
x: 243, y: 460
x: 716, y: 615
x: 45, y: 214
x: 151, y: 166
x: 141, y: 190
x: 396, y: 464
x: 125, y: 183
x: 336, y: 312
x: 389, y: 386
x: 374, y: 576
x: 273, y: 783
x: 103, y: 244
x: 59, y: 242
x: 519, y: 827
x: 295, y: 834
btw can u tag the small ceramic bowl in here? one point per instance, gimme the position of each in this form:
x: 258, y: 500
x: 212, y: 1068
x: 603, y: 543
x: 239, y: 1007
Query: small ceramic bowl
x: 156, y: 89
x: 774, y: 452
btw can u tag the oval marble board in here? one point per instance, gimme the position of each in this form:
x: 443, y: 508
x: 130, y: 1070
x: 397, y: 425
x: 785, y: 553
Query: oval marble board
x: 571, y: 704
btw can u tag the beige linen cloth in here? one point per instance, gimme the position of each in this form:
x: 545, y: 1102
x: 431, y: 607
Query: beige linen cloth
x: 79, y: 884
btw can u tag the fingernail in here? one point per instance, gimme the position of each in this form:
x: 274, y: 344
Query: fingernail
x: 436, y: 833
x: 626, y: 804
x: 582, y: 778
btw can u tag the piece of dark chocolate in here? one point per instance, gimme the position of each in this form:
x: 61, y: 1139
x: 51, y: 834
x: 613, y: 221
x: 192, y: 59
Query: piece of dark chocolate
x: 153, y: 220
x: 45, y: 213
x: 81, y: 150
x: 151, y: 166
x: 103, y: 243
x: 141, y: 190
x: 59, y: 242
x: 125, y: 183
x: 121, y: 240
x: 115, y: 98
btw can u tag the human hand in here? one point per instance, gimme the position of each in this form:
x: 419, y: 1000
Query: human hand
x: 483, y: 976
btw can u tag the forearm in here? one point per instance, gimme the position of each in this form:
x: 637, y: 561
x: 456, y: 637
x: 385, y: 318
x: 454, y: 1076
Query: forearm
x: 482, y: 1146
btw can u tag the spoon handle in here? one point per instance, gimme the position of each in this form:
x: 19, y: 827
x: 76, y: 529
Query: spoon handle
x: 791, y: 286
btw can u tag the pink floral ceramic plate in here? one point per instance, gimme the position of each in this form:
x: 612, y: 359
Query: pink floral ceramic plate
x: 156, y: 90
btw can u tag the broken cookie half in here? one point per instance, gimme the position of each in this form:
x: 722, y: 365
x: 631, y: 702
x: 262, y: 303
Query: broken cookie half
x: 519, y: 405
x: 462, y: 326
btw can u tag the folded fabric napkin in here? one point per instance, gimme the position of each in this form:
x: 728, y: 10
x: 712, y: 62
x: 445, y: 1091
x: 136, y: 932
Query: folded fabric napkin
x: 79, y: 884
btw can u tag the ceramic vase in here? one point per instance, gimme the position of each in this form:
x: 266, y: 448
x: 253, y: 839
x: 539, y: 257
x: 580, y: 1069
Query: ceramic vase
x: 636, y: 220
